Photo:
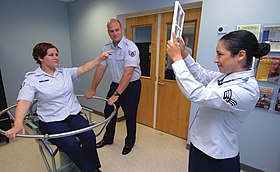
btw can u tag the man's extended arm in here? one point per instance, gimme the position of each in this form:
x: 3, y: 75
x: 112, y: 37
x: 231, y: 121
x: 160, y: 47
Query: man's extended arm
x: 98, y: 75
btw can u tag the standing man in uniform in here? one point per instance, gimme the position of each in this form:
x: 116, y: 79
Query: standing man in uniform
x: 125, y: 89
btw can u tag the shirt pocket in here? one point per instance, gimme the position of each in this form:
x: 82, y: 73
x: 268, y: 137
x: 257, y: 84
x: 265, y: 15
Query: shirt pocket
x: 120, y: 57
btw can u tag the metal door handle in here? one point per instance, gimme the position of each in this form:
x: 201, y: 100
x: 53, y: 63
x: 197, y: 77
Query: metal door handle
x: 161, y: 83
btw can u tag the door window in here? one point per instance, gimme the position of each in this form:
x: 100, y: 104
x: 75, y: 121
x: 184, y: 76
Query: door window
x: 142, y: 38
x: 188, y: 36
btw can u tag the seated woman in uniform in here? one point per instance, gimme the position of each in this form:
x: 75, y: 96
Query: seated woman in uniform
x: 57, y: 106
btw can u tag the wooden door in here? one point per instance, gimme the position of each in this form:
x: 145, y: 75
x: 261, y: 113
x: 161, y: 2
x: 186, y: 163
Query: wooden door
x: 143, y: 32
x: 173, y: 109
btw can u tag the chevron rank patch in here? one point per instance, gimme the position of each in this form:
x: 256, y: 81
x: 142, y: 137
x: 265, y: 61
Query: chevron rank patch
x: 228, y: 99
x: 132, y: 53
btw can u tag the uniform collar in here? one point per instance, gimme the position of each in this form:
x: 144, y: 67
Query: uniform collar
x: 120, y: 44
x: 39, y: 71
x: 244, y: 75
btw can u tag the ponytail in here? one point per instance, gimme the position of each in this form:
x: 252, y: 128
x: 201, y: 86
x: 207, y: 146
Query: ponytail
x: 263, y: 49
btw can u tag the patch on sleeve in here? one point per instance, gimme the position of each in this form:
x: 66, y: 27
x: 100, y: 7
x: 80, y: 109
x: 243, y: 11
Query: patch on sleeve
x: 228, y: 99
x: 132, y: 53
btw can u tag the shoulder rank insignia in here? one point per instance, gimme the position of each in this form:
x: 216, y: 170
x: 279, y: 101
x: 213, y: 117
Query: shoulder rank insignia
x: 132, y: 53
x: 228, y: 99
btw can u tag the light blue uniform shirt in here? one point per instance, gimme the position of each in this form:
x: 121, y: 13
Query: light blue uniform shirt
x: 224, y: 103
x: 55, y: 94
x: 125, y: 54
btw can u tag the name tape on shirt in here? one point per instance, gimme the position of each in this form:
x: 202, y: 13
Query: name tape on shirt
x: 43, y: 80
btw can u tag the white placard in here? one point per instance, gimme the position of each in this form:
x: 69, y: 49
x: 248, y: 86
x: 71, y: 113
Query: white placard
x: 178, y: 20
x: 254, y: 28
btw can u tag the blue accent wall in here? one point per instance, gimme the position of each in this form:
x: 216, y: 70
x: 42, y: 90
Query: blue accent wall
x: 23, y: 24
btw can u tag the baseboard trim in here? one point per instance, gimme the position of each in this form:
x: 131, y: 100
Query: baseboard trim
x: 249, y: 168
x: 242, y: 166
x: 121, y: 118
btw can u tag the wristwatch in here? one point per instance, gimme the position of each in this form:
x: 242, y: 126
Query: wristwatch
x: 116, y: 93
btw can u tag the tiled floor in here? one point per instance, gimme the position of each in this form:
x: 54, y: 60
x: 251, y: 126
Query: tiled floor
x: 154, y: 151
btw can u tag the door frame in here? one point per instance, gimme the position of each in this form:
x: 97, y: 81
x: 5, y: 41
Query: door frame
x: 146, y: 116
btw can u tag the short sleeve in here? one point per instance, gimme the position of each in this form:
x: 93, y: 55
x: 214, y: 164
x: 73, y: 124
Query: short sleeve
x: 132, y: 56
x: 27, y: 91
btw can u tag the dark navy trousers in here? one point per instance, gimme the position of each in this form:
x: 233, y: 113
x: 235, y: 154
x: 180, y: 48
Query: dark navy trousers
x: 128, y: 101
x: 81, y: 151
x: 200, y: 162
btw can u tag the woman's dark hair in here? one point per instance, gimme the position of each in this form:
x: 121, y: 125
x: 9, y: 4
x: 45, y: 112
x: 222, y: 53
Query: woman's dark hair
x: 40, y: 50
x: 247, y: 41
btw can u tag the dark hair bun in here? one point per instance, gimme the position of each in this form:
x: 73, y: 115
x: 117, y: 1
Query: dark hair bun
x: 264, y: 49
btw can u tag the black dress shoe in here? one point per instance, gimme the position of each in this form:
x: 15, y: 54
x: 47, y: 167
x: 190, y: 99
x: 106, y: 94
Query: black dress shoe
x: 102, y: 143
x: 126, y: 150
